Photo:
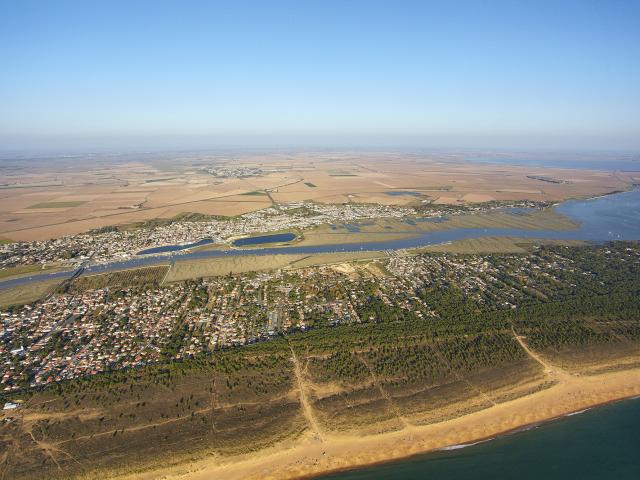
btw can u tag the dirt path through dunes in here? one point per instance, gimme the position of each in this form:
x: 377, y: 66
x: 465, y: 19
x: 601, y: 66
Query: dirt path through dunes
x: 552, y: 371
x: 305, y: 456
x: 307, y: 410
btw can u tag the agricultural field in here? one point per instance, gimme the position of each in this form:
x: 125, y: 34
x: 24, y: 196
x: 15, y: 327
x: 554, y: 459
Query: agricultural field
x: 37, y: 205
x: 57, y: 204
x: 215, y: 267
x: 27, y: 293
x: 147, y: 276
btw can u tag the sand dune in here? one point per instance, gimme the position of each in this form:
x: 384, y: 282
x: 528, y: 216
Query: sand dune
x: 312, y: 455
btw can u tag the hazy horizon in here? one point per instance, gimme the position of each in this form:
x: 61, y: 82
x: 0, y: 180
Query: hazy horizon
x: 169, y: 75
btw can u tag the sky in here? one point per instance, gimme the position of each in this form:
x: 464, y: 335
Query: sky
x: 190, y: 74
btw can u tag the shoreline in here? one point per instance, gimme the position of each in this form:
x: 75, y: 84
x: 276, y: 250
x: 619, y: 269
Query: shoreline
x: 309, y: 458
x: 462, y: 446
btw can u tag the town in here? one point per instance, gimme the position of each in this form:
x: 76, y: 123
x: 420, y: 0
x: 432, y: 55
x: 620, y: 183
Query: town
x: 112, y: 243
x: 73, y: 335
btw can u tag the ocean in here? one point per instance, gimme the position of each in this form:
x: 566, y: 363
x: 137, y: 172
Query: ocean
x: 602, y: 443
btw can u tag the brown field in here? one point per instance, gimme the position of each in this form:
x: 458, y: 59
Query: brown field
x: 493, y: 245
x: 72, y: 198
x: 119, y: 279
x: 27, y: 293
x: 215, y: 267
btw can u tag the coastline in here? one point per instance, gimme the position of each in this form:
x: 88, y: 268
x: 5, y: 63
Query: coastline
x: 513, y: 431
x: 308, y: 457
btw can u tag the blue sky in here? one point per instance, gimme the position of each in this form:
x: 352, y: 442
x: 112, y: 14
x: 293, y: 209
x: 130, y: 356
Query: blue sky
x: 321, y: 73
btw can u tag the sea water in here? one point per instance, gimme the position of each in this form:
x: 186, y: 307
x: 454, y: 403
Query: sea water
x: 601, y: 443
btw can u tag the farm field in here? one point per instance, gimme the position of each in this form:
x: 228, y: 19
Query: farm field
x: 39, y: 202
x: 214, y: 267
x: 493, y: 245
x: 27, y: 293
x: 145, y: 276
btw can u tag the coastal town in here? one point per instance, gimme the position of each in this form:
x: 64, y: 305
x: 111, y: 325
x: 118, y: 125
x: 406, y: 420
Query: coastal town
x: 78, y: 334
x: 114, y: 243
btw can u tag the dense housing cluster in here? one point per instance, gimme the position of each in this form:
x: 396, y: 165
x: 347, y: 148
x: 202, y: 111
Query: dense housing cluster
x: 113, y: 243
x: 76, y: 334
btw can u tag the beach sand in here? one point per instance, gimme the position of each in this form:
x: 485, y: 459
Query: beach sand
x: 317, y: 452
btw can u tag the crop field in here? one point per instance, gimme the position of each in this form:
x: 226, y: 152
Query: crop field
x: 215, y: 267
x: 124, y: 278
x: 57, y: 204
x: 37, y: 206
x: 27, y: 293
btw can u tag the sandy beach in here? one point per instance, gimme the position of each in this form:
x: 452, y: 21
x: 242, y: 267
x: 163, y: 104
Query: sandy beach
x: 315, y: 454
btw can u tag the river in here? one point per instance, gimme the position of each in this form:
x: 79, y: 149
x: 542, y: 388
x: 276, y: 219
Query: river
x: 610, y: 217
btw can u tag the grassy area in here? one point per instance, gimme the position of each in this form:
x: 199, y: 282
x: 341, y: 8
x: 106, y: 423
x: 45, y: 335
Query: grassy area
x: 155, y: 180
x: 493, y: 245
x: 211, y: 246
x: 303, y: 211
x: 215, y: 267
x: 57, y: 204
x: 383, y: 229
x: 335, y: 258
x: 310, y: 185
x: 123, y: 278
x: 29, y: 293
x: 255, y: 193
x: 25, y: 270
x: 326, y: 236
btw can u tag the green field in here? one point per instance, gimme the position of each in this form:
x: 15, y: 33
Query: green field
x: 310, y: 185
x: 25, y: 270
x: 58, y: 204
x: 146, y: 276
x: 255, y: 193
